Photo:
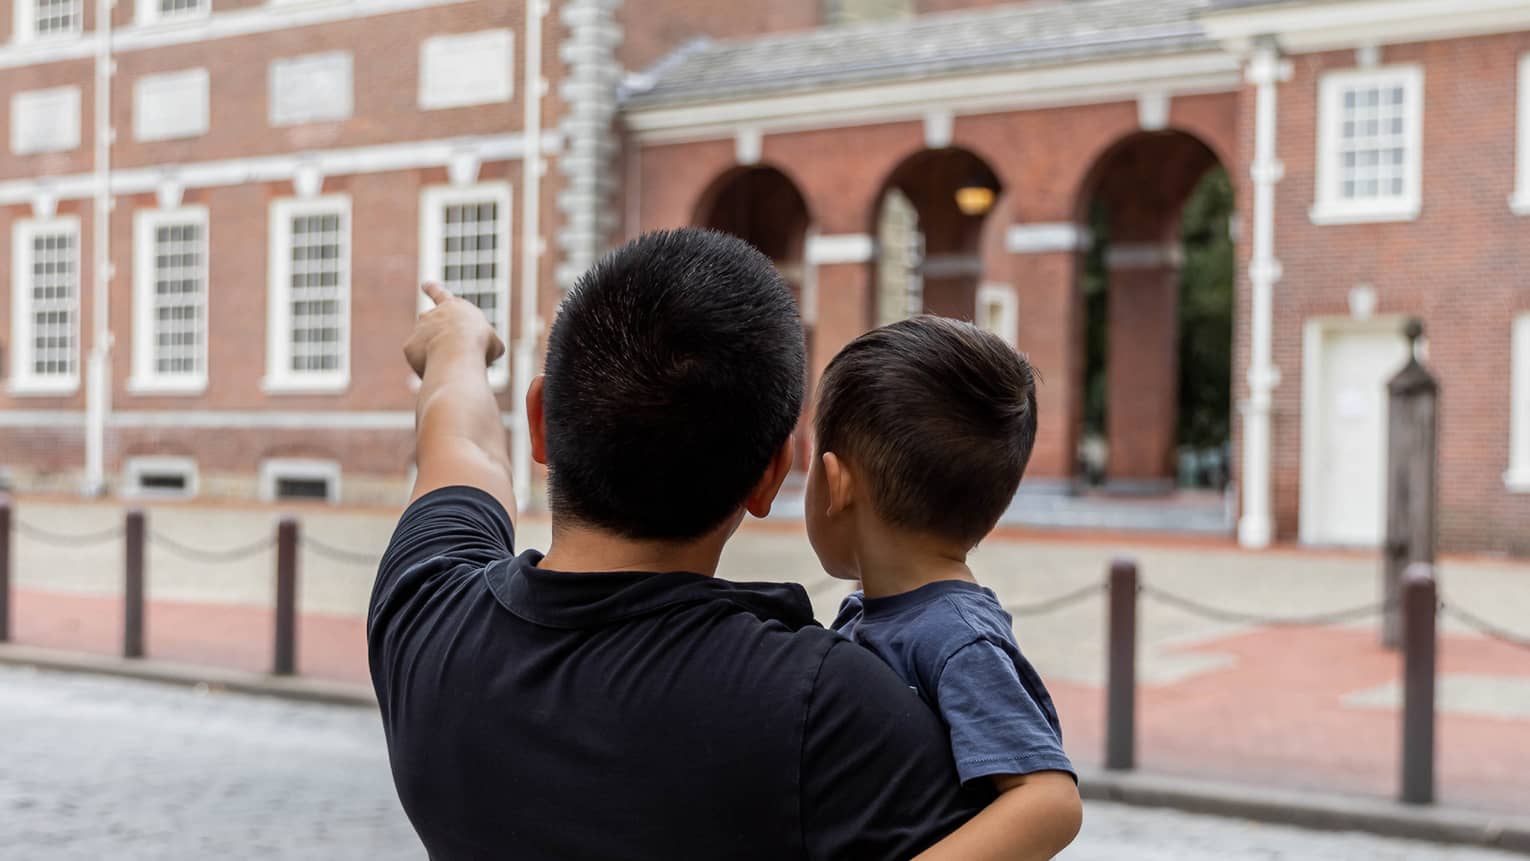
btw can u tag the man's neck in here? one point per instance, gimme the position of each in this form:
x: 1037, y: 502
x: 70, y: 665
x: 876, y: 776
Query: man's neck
x: 582, y: 549
x: 894, y: 561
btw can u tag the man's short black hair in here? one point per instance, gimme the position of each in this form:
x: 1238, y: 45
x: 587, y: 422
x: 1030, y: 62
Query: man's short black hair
x: 674, y: 374
x: 940, y: 418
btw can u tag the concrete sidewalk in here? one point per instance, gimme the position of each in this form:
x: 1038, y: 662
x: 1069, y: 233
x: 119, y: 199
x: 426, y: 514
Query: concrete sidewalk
x: 1300, y: 708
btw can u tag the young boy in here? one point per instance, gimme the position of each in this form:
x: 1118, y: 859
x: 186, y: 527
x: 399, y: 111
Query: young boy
x: 923, y: 430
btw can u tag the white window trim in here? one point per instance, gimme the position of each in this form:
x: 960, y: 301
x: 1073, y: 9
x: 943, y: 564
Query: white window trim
x: 149, y: 14
x: 24, y: 24
x: 272, y: 89
x: 1009, y: 300
x: 145, y: 379
x: 280, y: 379
x: 1517, y: 479
x: 24, y: 381
x: 274, y: 469
x: 432, y: 199
x: 197, y: 76
x: 1329, y: 207
x: 135, y: 468
x: 1519, y: 202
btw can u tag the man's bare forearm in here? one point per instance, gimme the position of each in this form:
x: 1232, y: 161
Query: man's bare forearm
x: 460, y: 436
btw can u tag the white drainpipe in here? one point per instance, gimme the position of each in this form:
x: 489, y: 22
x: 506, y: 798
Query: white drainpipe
x: 1256, y: 528
x: 524, y: 365
x: 98, y: 376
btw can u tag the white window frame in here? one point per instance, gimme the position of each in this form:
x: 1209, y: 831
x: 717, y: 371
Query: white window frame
x: 273, y: 470
x: 24, y: 380
x: 284, y: 65
x: 135, y: 468
x: 24, y: 24
x: 197, y: 121
x: 149, y: 13
x: 1519, y: 202
x: 1008, y: 324
x: 280, y: 378
x: 71, y: 110
x: 1329, y: 207
x: 1517, y: 479
x: 432, y: 200
x: 432, y: 96
x: 146, y: 379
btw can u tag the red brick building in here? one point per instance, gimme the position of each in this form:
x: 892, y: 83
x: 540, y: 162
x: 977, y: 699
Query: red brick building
x: 280, y: 172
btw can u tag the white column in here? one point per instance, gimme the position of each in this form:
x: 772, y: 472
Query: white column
x: 1256, y: 528
x: 523, y: 365
x: 98, y: 376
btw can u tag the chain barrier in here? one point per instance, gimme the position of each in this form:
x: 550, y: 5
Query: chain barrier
x: 339, y: 554
x: 1238, y: 617
x: 197, y: 554
x: 1052, y: 605
x: 1484, y: 627
x: 64, y: 539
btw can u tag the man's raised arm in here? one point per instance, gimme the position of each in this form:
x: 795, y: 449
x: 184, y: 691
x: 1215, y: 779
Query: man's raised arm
x: 459, y: 435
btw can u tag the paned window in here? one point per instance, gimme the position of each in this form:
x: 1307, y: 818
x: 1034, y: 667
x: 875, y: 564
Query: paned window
x: 1370, y: 135
x: 466, y: 249
x: 55, y: 17
x: 310, y: 295
x: 170, y: 335
x: 46, y: 306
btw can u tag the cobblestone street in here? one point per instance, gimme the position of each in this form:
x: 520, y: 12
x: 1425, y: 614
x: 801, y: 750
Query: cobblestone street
x: 103, y: 768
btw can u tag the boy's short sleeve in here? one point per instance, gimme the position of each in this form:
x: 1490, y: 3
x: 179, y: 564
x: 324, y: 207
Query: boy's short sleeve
x: 1000, y: 722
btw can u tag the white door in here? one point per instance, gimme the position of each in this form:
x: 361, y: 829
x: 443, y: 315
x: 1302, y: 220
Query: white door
x: 1350, y: 504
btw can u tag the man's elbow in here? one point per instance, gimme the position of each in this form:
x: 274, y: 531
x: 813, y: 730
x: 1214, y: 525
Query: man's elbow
x: 1056, y: 793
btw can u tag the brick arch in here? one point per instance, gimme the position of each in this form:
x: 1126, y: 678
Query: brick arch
x: 759, y: 203
x: 1150, y: 174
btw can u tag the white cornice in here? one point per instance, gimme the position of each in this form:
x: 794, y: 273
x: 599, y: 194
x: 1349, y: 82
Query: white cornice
x: 258, y: 19
x: 410, y: 155
x: 1323, y: 26
x: 1083, y: 83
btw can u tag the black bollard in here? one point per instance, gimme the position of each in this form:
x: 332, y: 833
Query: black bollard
x: 286, y: 597
x: 1419, y: 605
x: 1121, y: 669
x: 133, y: 585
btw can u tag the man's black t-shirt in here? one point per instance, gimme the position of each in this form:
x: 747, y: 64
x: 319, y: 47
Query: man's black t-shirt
x: 538, y: 714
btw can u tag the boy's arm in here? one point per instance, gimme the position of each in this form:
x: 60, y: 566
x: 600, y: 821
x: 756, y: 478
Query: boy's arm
x: 1000, y: 732
x: 460, y: 437
x: 1035, y: 817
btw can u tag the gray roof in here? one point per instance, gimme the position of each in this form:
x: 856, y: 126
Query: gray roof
x: 1044, y: 32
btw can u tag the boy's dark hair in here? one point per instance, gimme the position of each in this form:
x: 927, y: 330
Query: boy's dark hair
x: 940, y: 418
x: 674, y: 374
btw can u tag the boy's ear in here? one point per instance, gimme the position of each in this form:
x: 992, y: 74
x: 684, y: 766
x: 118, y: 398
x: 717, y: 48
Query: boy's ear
x: 841, y: 485
x: 764, y: 493
x: 535, y: 420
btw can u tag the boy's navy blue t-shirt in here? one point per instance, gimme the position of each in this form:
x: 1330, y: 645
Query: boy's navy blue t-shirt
x: 954, y: 644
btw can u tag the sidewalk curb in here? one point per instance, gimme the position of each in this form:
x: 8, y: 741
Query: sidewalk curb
x: 298, y: 688
x: 1313, y: 810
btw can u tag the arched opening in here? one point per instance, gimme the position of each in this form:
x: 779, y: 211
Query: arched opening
x: 1157, y: 285
x: 929, y: 227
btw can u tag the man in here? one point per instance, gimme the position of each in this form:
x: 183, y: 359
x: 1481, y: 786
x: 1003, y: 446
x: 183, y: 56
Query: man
x: 612, y: 699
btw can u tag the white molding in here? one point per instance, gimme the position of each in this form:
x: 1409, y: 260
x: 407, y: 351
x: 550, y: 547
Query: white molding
x: 748, y: 145
x: 274, y: 469
x: 1046, y: 238
x: 300, y: 75
x: 1322, y: 26
x: 432, y: 199
x: 39, y: 419
x: 1520, y: 201
x: 178, y: 119
x: 280, y: 379
x: 147, y: 13
x: 1144, y: 255
x: 453, y: 66
x: 24, y: 29
x: 1153, y: 110
x: 954, y: 265
x: 33, y: 106
x: 1329, y: 207
x: 145, y: 379
x: 385, y: 158
x: 840, y: 248
x: 264, y: 18
x: 134, y: 469
x: 993, y: 92
x: 1007, y: 326
x: 1517, y: 479
x: 23, y: 381
x: 939, y: 126
x: 197, y: 419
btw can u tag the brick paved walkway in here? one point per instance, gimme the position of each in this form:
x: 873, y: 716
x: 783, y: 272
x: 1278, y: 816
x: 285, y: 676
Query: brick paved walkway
x: 1302, y: 707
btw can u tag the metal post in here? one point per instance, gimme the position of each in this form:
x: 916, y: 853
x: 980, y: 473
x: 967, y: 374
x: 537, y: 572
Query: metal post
x: 133, y: 585
x: 1419, y: 605
x: 1413, y: 407
x: 1121, y: 671
x: 286, y: 597
x: 5, y: 568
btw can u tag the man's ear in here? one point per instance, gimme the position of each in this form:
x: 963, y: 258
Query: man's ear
x: 840, y: 484
x: 535, y: 420
x: 764, y: 493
